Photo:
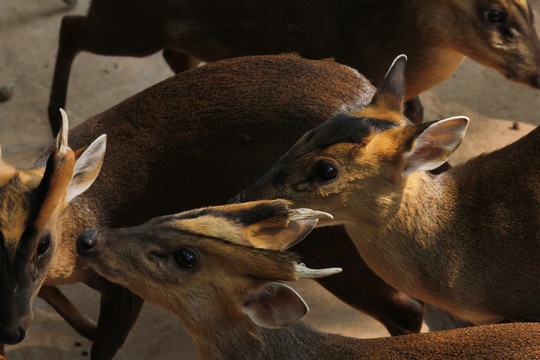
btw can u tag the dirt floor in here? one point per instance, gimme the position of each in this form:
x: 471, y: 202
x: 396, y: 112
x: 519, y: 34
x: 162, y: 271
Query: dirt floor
x: 28, y: 43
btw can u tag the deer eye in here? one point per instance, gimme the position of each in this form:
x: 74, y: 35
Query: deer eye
x: 186, y: 258
x: 494, y: 16
x: 44, y: 243
x: 325, y: 171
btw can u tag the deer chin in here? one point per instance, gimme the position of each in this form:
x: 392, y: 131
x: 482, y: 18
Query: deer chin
x: 107, y: 272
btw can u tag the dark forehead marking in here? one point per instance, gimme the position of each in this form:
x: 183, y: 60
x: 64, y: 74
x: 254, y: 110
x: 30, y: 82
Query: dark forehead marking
x: 244, y: 216
x: 16, y: 194
x: 345, y: 129
x: 4, y: 260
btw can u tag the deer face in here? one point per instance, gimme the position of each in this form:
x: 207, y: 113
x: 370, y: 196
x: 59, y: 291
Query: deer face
x: 499, y: 34
x: 32, y: 203
x: 202, y: 265
x: 356, y: 166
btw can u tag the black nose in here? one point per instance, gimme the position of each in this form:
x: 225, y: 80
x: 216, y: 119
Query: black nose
x: 12, y: 336
x: 86, y: 244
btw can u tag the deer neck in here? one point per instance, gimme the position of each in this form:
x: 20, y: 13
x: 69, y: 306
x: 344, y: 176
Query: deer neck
x: 225, y: 339
x: 244, y: 340
x: 396, y: 246
x: 433, y: 53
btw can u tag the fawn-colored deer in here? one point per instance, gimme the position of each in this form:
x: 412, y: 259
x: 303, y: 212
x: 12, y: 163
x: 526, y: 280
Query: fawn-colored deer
x: 220, y: 270
x: 467, y: 240
x: 363, y: 34
x: 193, y: 140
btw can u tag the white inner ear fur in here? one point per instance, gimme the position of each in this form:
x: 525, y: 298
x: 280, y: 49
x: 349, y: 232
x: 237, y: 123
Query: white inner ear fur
x: 434, y: 146
x: 87, y: 168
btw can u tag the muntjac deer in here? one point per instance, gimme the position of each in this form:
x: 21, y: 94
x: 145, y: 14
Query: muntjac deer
x: 467, y: 241
x: 194, y: 140
x: 363, y: 34
x: 220, y: 270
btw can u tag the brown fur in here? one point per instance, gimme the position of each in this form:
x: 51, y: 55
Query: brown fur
x: 208, y: 298
x: 219, y: 127
x: 436, y: 35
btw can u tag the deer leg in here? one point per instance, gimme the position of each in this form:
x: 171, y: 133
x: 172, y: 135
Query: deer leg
x: 2, y: 352
x: 117, y: 315
x: 414, y: 110
x: 179, y: 62
x: 81, y: 322
x: 76, y: 35
x: 358, y: 286
x: 72, y: 29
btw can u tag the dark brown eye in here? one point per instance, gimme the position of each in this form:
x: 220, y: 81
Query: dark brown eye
x: 185, y: 258
x: 44, y: 243
x: 494, y: 16
x: 325, y: 171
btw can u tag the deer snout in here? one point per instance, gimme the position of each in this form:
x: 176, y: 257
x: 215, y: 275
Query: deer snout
x: 12, y: 335
x: 87, y: 242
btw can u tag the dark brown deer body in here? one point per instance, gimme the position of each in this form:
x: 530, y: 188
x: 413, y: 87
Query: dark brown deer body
x: 364, y: 34
x: 467, y: 240
x: 197, y: 139
x: 201, y: 265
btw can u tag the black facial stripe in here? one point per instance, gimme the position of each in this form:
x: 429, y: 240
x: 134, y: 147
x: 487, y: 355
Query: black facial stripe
x: 347, y: 129
x: 37, y: 195
x: 4, y: 260
x: 245, y: 217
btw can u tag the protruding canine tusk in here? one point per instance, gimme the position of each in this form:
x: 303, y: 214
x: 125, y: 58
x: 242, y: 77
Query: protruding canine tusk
x: 62, y: 138
x: 304, y: 213
x: 303, y: 272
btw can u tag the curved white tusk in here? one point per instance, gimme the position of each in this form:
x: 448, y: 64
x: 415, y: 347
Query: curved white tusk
x: 303, y: 272
x: 305, y: 213
x: 62, y: 138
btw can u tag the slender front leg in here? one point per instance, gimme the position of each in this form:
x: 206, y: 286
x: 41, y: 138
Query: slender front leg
x: 81, y: 322
x: 72, y: 31
x: 358, y: 285
x: 117, y: 315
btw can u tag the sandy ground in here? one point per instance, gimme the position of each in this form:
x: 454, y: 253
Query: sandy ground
x: 28, y: 43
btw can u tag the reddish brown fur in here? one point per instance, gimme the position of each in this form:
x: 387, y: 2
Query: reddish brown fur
x: 238, y: 116
x: 436, y: 35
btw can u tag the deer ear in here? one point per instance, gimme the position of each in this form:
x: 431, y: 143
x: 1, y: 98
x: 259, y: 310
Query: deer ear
x: 87, y: 168
x: 282, y: 233
x: 277, y: 305
x: 434, y: 145
x: 391, y: 91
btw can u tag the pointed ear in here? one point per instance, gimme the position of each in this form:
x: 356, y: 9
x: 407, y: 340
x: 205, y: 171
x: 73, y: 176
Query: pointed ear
x: 282, y: 233
x: 392, y: 89
x: 277, y: 305
x: 434, y: 145
x: 87, y: 168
